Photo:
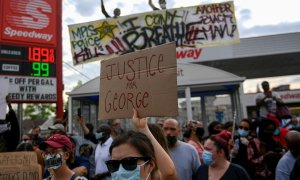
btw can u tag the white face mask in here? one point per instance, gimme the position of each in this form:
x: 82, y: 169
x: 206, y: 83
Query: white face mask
x: 53, y: 161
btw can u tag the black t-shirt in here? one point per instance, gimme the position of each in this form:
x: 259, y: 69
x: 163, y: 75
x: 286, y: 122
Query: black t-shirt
x: 234, y: 172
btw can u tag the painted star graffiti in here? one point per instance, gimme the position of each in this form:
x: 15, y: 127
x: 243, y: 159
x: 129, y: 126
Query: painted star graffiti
x: 106, y: 29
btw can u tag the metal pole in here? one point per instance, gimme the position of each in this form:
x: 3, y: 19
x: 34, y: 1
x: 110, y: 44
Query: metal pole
x: 70, y: 119
x: 20, y: 117
x: 188, y: 103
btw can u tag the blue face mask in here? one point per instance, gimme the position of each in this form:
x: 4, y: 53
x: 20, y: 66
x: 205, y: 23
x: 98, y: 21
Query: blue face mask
x: 243, y: 133
x: 207, y: 158
x: 123, y: 174
x: 277, y: 132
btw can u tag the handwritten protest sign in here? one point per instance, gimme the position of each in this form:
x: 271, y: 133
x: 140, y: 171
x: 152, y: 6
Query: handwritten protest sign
x: 202, y: 25
x: 19, y: 165
x: 145, y: 80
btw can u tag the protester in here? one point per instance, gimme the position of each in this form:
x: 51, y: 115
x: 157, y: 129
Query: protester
x: 162, y: 4
x: 138, y: 155
x: 280, y: 132
x: 58, y: 152
x: 262, y: 147
x: 37, y: 139
x: 184, y: 156
x: 57, y: 127
x: 10, y: 130
x: 117, y: 11
x: 81, y: 164
x: 229, y: 125
x: 27, y: 138
x: 267, y: 101
x: 102, y: 138
x: 215, y: 158
x: 194, y: 131
x: 286, y: 163
x: 215, y: 127
x: 241, y: 142
x: 116, y: 128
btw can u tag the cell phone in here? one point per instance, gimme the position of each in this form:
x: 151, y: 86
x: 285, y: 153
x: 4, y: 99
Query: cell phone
x: 79, y: 112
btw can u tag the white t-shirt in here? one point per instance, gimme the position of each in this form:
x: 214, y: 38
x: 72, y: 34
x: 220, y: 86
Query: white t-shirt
x: 102, y: 155
x: 270, y: 105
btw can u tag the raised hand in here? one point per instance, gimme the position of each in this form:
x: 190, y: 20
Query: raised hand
x: 139, y: 123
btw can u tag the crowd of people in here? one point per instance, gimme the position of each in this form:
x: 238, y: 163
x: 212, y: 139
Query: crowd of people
x: 261, y: 148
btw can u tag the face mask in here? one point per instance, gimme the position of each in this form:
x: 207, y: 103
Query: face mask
x: 277, y: 132
x: 53, y: 161
x: 128, y: 175
x: 207, y: 158
x: 243, y: 133
x: 99, y: 135
x: 163, y: 6
x: 171, y: 140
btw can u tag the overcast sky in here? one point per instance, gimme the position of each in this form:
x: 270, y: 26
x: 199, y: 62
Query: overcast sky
x: 254, y: 17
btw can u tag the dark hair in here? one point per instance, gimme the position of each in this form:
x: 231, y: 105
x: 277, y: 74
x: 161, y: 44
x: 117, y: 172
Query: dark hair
x: 221, y: 141
x: 140, y: 142
x: 24, y: 147
x: 229, y: 124
x: 187, y: 133
x: 246, y: 121
x: 211, y: 127
x: 158, y: 133
x: 90, y: 127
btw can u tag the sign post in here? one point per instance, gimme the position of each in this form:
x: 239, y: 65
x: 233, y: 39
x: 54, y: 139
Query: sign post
x: 31, y: 51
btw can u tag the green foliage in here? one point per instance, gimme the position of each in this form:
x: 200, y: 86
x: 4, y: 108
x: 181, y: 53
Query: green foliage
x: 39, y: 111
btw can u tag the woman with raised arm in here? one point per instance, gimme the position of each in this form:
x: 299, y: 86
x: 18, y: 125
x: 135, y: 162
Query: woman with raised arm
x: 138, y: 155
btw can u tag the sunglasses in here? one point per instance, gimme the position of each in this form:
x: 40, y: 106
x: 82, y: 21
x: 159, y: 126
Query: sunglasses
x: 129, y: 163
x: 245, y: 128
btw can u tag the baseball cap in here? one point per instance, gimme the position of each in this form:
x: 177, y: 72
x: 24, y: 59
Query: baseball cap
x: 57, y: 126
x: 57, y: 141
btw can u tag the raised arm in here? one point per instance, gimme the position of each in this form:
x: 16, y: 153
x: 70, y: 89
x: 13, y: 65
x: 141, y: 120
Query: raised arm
x: 81, y: 122
x: 152, y: 5
x: 163, y: 160
x: 103, y: 10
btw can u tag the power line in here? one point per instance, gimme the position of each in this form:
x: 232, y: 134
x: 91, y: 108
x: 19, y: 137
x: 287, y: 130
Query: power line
x: 77, y: 70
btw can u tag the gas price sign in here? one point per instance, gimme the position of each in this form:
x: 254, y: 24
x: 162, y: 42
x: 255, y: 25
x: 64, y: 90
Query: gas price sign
x: 27, y: 61
x: 30, y: 71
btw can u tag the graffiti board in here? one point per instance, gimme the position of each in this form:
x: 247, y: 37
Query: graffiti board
x: 201, y: 25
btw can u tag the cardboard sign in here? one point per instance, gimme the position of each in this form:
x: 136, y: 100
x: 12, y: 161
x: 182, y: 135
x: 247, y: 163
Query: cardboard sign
x: 20, y: 165
x: 145, y: 80
x: 201, y: 25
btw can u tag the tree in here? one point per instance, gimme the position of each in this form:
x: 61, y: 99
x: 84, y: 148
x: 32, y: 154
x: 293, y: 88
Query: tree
x: 39, y: 111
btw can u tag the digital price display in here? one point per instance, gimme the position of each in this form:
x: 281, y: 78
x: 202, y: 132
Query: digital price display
x: 27, y: 61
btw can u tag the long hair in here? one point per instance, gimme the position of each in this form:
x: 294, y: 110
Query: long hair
x: 158, y: 133
x: 141, y: 143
